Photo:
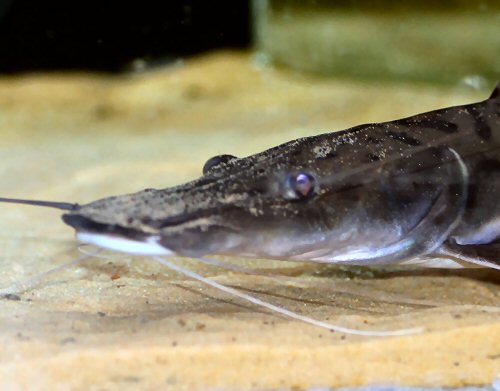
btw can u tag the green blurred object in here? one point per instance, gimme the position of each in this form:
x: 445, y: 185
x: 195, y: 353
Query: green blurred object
x: 451, y: 41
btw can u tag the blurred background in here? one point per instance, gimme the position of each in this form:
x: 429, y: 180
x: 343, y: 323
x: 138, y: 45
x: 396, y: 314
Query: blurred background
x: 447, y: 41
x: 111, y: 36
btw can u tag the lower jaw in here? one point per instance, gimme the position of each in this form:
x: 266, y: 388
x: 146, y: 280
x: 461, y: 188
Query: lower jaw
x: 112, y: 242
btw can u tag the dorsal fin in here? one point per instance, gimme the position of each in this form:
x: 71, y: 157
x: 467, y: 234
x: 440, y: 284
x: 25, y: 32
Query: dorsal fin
x: 496, y: 92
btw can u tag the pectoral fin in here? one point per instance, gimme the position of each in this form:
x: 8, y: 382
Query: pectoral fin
x: 486, y: 255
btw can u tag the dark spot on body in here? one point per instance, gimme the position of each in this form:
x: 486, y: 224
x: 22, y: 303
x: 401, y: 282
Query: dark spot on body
x: 329, y: 155
x: 373, y: 140
x: 482, y: 128
x: 435, y: 123
x: 484, y: 132
x: 403, y: 137
x: 373, y: 157
x: 444, y: 126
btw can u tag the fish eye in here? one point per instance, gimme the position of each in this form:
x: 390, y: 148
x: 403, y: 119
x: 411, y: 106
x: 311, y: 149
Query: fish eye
x: 216, y: 160
x: 299, y: 186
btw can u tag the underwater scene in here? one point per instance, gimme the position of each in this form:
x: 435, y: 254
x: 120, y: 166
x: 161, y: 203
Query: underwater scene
x: 250, y: 195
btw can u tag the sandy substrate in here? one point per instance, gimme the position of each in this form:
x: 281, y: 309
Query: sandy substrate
x: 122, y: 323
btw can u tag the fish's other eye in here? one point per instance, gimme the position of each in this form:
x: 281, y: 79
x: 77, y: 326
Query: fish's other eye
x: 299, y: 186
x: 216, y: 160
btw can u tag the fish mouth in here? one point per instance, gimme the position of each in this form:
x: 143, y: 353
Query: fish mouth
x: 115, y: 237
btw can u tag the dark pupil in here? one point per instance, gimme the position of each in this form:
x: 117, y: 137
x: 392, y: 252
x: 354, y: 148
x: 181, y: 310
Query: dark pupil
x: 216, y: 160
x: 303, y: 185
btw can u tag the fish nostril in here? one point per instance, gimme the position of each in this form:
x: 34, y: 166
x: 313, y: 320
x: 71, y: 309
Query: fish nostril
x: 216, y: 160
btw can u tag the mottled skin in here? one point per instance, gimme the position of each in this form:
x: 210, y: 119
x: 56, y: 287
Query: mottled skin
x: 395, y: 190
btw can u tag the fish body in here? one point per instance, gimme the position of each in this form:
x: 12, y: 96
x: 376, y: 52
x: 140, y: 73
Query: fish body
x: 373, y: 194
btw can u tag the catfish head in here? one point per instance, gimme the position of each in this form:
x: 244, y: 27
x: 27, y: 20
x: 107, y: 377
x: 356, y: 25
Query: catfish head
x: 268, y: 205
x: 310, y: 199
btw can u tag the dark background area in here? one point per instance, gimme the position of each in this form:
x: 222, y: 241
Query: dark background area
x: 109, y: 36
